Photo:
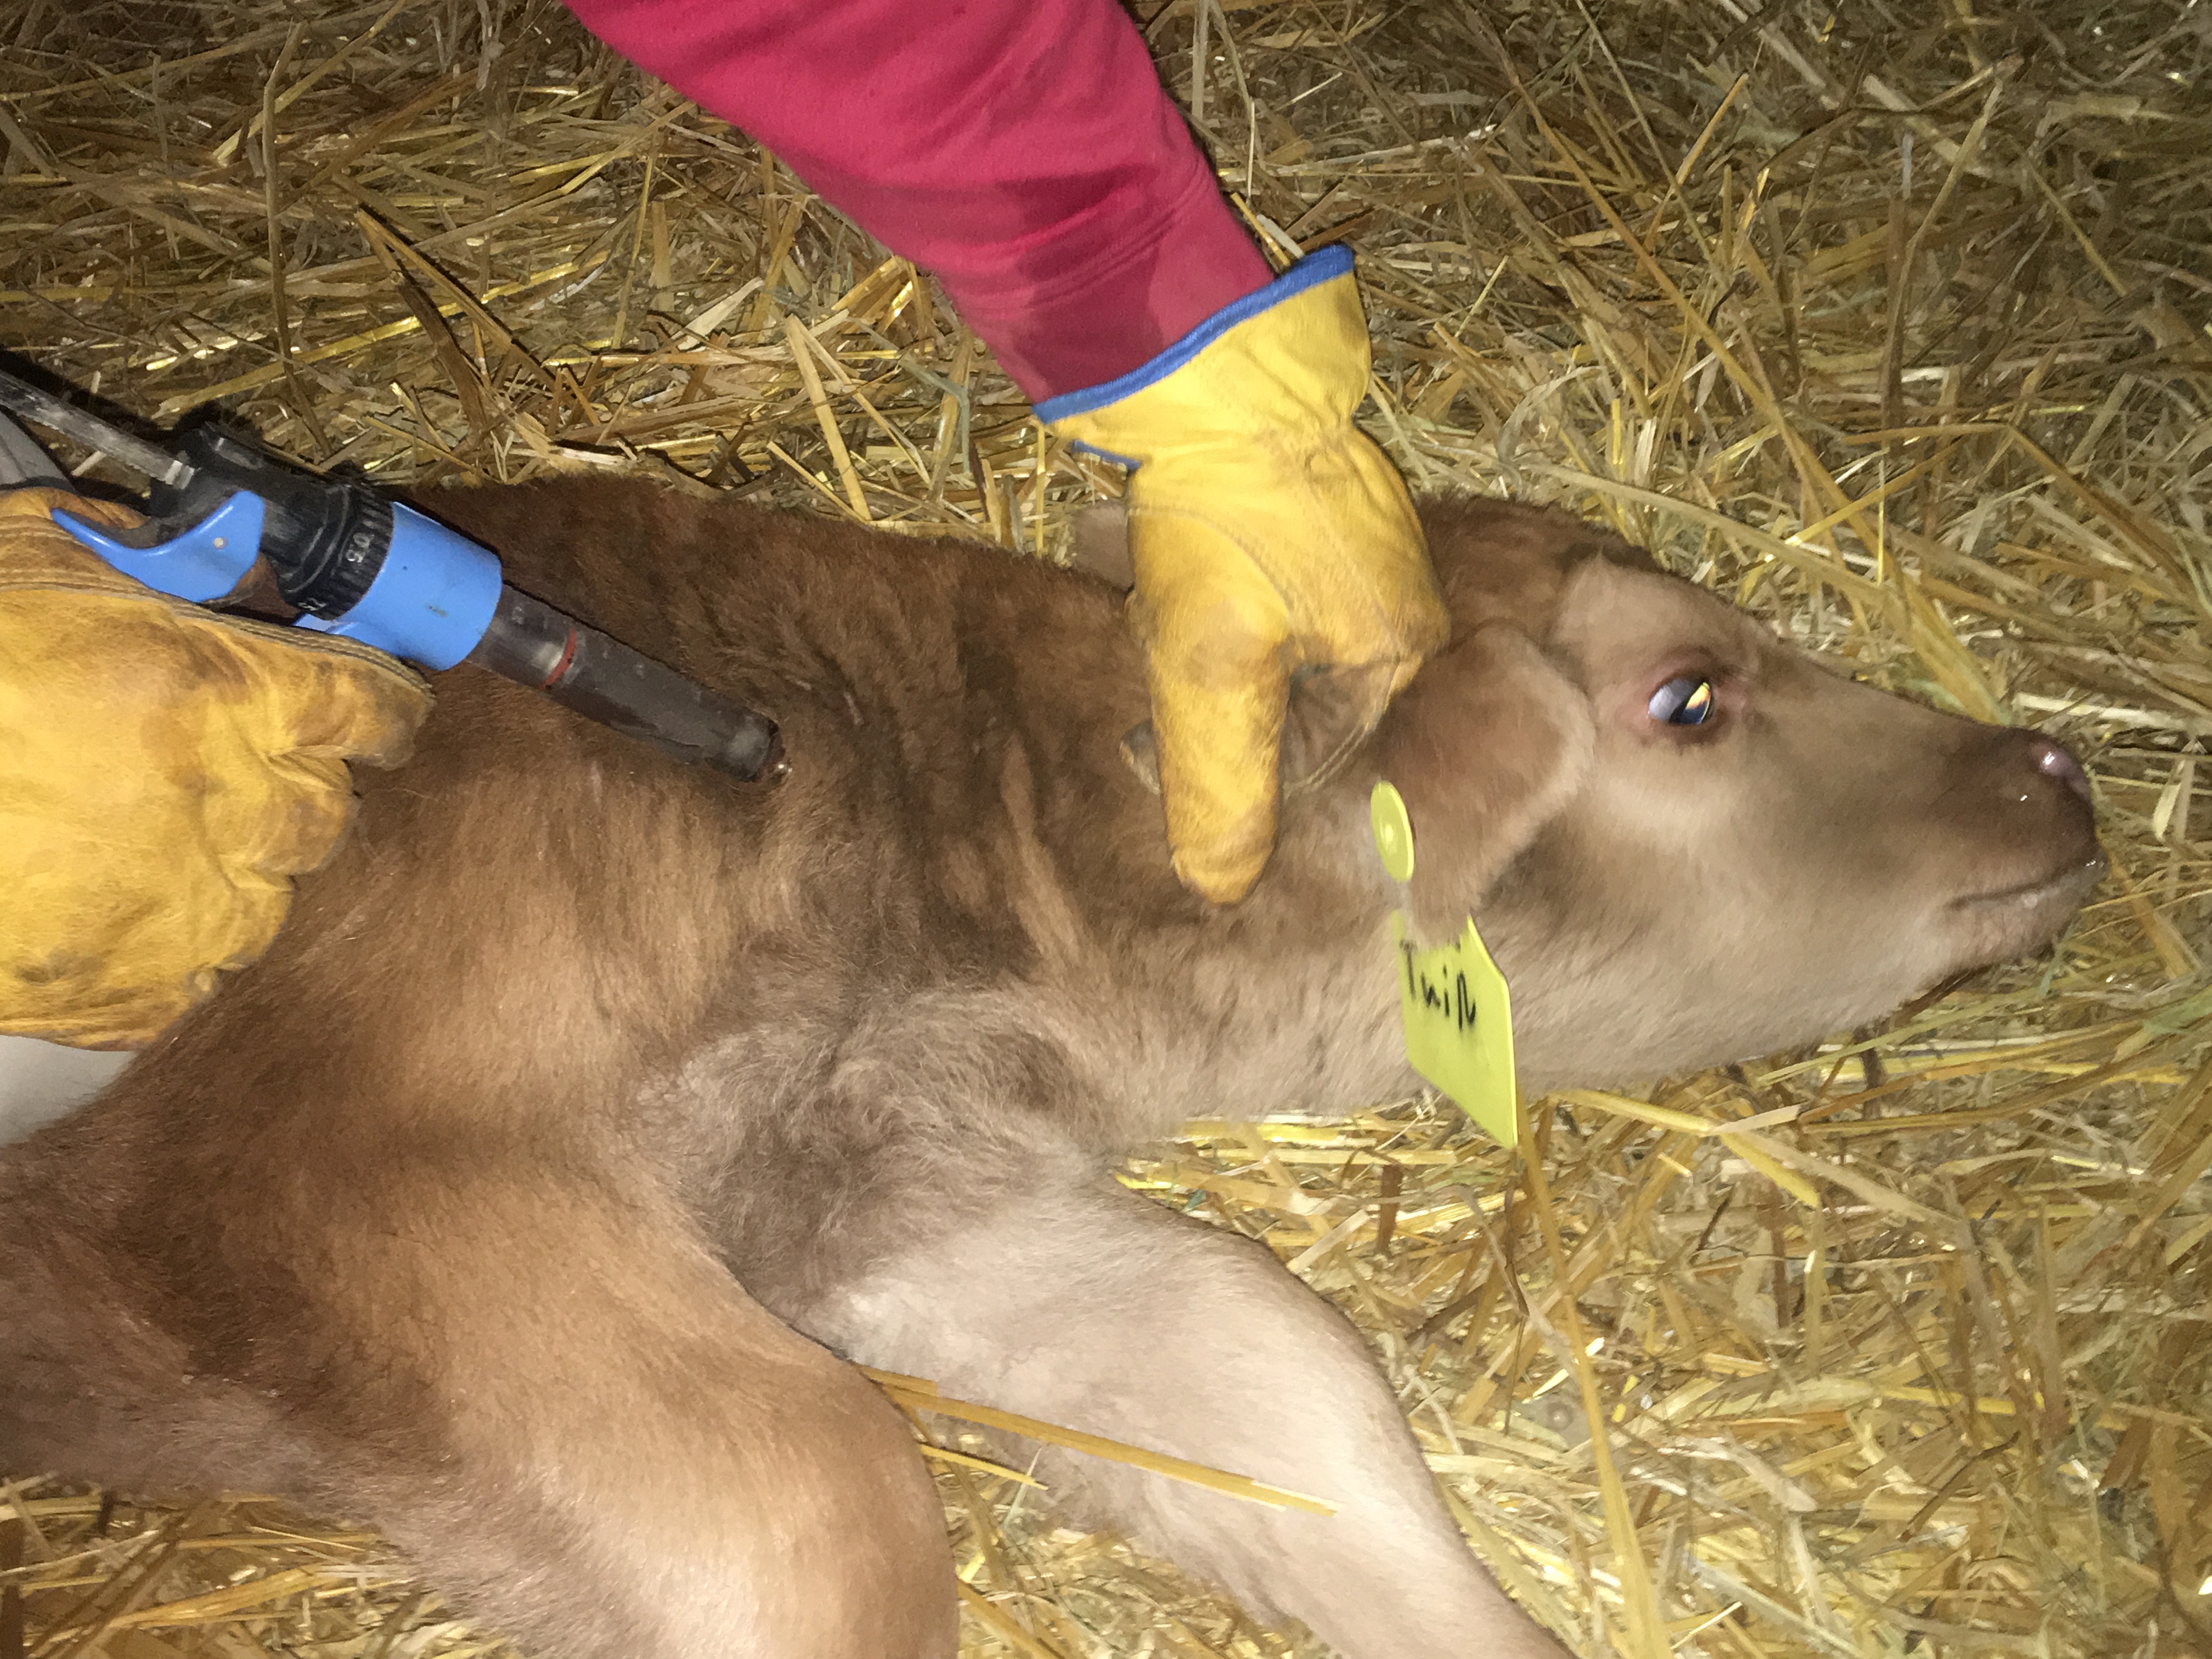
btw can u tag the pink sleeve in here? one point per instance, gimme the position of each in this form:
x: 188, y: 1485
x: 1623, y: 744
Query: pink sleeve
x: 1022, y: 150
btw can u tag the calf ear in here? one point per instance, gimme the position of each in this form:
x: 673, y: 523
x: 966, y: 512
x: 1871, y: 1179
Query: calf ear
x: 1487, y: 744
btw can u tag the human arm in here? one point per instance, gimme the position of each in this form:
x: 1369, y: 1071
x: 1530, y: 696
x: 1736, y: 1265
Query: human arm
x: 1024, y: 152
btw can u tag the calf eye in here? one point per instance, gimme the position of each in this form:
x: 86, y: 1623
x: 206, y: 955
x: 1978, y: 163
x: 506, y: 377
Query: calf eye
x: 1687, y: 700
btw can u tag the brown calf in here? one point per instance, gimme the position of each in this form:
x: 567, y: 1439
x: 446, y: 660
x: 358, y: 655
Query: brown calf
x: 529, y: 1198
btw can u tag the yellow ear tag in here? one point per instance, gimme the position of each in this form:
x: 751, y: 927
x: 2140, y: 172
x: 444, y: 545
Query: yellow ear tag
x: 1457, y: 1012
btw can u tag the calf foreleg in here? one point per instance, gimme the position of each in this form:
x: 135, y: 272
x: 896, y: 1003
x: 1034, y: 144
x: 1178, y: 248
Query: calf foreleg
x: 1102, y: 1311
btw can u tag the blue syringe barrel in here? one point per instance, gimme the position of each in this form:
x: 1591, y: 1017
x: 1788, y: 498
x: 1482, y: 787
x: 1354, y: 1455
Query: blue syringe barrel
x: 431, y: 598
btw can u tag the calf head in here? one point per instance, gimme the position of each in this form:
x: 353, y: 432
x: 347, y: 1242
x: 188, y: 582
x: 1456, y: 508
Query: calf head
x: 1687, y: 841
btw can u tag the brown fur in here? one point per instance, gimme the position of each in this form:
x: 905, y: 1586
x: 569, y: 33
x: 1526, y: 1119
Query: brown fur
x: 505, y: 1202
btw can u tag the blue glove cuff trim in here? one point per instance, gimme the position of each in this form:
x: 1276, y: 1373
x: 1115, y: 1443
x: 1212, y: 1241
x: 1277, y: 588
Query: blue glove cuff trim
x: 1125, y: 461
x: 1311, y: 271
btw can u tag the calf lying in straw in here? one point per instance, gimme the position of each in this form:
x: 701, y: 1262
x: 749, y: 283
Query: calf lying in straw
x: 532, y: 1196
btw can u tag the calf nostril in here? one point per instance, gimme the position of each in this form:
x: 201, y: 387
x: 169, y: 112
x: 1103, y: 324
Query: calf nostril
x: 2053, y: 761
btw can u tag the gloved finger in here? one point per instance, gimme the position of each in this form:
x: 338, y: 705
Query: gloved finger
x: 1359, y: 578
x: 34, y: 549
x: 316, y: 694
x: 290, y: 720
x: 1218, y: 681
x: 164, y: 771
x: 163, y: 774
x: 319, y: 695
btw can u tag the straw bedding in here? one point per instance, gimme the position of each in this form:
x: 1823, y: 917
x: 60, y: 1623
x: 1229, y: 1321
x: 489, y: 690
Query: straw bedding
x: 1886, y: 319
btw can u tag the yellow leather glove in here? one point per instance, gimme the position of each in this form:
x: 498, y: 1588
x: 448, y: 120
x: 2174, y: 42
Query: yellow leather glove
x: 164, y: 771
x: 1271, y: 539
